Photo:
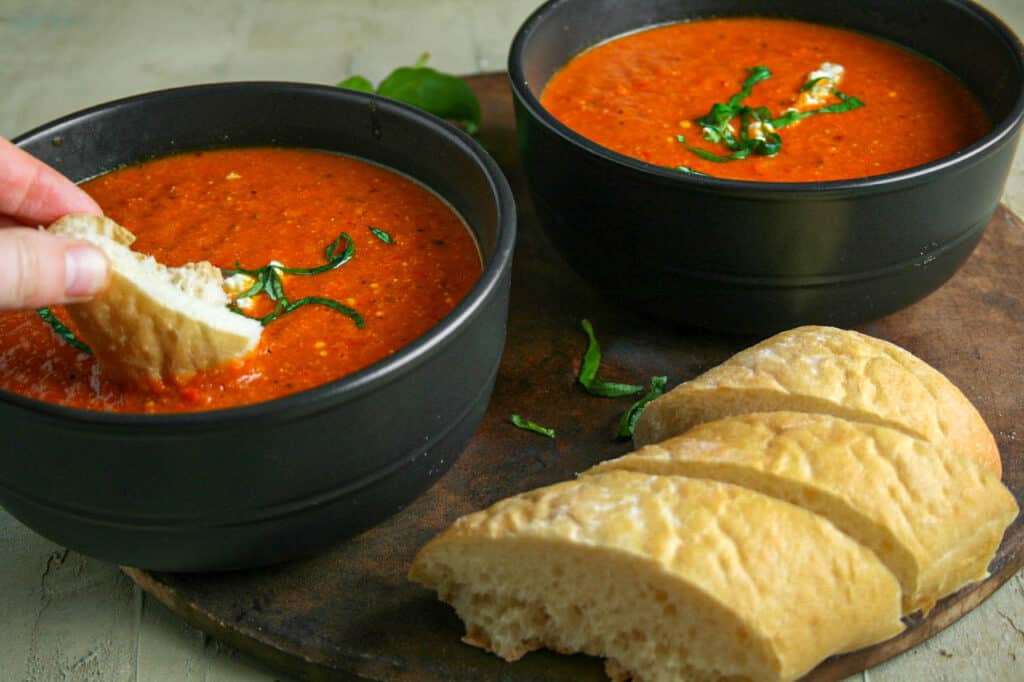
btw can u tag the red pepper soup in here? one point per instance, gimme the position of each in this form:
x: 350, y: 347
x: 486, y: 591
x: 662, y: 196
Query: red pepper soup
x: 765, y: 100
x: 412, y: 261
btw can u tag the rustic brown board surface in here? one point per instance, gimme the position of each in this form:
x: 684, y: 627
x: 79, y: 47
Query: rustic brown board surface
x: 351, y: 612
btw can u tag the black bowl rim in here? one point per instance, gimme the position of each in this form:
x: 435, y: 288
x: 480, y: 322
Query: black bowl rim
x: 351, y: 385
x: 988, y: 143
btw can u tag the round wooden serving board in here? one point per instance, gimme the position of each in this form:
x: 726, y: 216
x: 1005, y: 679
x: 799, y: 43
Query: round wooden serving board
x: 351, y: 612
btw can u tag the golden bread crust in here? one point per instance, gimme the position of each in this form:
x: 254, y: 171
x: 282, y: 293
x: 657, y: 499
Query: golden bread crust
x: 935, y: 517
x: 831, y: 371
x: 674, y: 578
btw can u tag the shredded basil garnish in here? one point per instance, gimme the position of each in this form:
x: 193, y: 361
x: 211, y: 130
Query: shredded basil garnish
x: 268, y: 281
x: 629, y: 418
x: 382, y: 235
x: 285, y: 306
x: 755, y: 75
x: 711, y: 156
x: 62, y: 331
x: 528, y: 425
x: 809, y: 85
x: 846, y: 103
x: 717, y: 128
x: 268, y: 273
x: 588, y: 371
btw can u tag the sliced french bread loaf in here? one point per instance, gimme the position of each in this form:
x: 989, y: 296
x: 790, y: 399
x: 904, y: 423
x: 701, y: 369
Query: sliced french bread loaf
x: 153, y: 322
x: 667, y: 577
x: 933, y: 516
x: 829, y: 371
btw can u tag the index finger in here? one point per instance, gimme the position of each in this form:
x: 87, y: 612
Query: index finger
x: 32, y: 193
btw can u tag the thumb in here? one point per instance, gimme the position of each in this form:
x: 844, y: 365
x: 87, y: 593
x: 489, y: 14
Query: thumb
x: 40, y: 269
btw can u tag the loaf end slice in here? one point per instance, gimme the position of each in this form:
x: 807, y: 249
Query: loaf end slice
x: 669, y: 578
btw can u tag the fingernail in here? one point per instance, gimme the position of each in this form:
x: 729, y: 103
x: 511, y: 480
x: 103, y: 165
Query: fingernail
x: 85, y: 271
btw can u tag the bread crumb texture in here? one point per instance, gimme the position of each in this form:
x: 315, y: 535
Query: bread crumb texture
x: 673, y: 578
x: 830, y: 371
x: 154, y: 323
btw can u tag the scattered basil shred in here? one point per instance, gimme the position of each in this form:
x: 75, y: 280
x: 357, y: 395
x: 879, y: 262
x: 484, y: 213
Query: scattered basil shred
x: 382, y: 235
x: 588, y: 370
x: 358, y: 83
x: 845, y: 103
x: 268, y: 281
x: 62, y: 331
x: 528, y: 425
x: 438, y: 93
x: 629, y: 418
x: 716, y: 125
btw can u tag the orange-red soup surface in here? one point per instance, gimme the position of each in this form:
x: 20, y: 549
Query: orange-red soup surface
x: 636, y: 93
x: 252, y: 206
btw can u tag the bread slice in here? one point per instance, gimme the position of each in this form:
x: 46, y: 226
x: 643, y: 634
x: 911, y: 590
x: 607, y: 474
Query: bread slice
x: 154, y: 323
x: 933, y: 516
x: 669, y: 578
x: 829, y: 371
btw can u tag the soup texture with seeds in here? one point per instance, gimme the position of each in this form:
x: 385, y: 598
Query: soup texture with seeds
x: 413, y: 261
x: 655, y: 94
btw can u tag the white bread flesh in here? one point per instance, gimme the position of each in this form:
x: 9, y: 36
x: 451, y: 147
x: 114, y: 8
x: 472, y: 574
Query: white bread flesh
x: 667, y: 577
x: 155, y: 323
x: 933, y: 516
x: 829, y: 371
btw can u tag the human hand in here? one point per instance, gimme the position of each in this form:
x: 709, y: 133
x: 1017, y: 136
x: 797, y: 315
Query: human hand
x: 37, y: 268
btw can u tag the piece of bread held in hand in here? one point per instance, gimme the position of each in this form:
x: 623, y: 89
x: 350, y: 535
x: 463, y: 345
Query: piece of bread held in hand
x: 828, y: 371
x: 669, y: 578
x: 935, y: 517
x: 155, y: 323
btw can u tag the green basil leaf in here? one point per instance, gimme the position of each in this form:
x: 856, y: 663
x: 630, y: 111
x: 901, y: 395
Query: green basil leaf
x: 789, y: 118
x: 755, y: 76
x: 629, y: 418
x: 611, y: 389
x: 588, y: 370
x: 273, y: 285
x: 717, y: 128
x: 846, y: 103
x: 438, y: 93
x: 273, y: 315
x: 62, y: 331
x: 239, y: 270
x: 591, y: 357
x: 255, y: 289
x: 716, y: 119
x: 809, y: 85
x: 742, y: 153
x: 269, y: 282
x: 330, y: 254
x: 332, y: 249
x: 528, y: 425
x: 382, y: 235
x: 357, y: 83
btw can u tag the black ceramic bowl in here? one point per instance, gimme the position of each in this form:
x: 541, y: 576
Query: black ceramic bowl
x: 758, y: 257
x: 263, y: 483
